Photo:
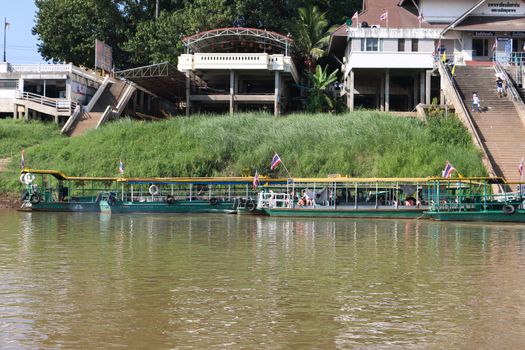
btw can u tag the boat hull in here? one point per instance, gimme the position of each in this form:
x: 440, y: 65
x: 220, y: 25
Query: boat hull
x: 408, y: 213
x: 92, y: 207
x: 486, y: 216
x: 197, y: 206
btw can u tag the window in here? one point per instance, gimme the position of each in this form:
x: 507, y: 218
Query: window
x: 400, y: 45
x: 415, y: 45
x: 8, y: 84
x: 370, y: 44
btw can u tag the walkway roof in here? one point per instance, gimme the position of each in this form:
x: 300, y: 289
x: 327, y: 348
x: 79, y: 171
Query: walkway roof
x: 238, y: 39
x: 162, y: 79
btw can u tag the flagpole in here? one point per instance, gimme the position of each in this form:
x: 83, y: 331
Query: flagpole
x: 290, y: 176
x: 5, y: 29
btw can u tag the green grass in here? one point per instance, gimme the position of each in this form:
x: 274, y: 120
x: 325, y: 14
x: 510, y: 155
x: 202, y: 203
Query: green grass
x: 18, y: 134
x: 364, y: 143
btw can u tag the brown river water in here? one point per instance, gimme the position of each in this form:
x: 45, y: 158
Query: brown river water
x: 90, y: 281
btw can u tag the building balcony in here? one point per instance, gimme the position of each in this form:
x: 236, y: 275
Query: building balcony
x: 393, y: 33
x: 381, y: 59
x: 237, y: 61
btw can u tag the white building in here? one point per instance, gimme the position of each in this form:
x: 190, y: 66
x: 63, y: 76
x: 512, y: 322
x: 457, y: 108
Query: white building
x: 44, y: 91
x: 389, y: 63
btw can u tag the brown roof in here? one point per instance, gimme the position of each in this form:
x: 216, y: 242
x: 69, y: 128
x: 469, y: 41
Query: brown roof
x: 492, y: 23
x: 398, y: 16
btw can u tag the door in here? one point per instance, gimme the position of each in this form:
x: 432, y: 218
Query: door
x: 480, y: 47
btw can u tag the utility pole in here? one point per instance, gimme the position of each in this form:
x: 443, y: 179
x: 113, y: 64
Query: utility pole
x: 157, y: 10
x: 6, y: 26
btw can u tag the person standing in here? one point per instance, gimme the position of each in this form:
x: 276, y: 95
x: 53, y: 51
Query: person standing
x: 475, y: 102
x: 499, y: 87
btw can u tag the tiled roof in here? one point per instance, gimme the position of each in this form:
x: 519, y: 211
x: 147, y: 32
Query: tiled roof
x: 398, y: 17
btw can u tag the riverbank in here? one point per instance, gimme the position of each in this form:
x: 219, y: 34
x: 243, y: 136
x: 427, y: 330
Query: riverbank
x: 360, y: 144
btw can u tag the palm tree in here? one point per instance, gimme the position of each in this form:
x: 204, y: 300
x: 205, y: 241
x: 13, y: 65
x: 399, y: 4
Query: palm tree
x: 318, y: 98
x: 311, y: 33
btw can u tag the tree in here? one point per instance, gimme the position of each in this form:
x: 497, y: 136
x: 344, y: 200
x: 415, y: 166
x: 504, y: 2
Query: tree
x: 159, y: 40
x: 318, y: 98
x: 67, y: 30
x: 311, y: 34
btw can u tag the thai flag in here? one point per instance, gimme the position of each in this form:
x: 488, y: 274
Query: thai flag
x: 355, y: 16
x: 383, y: 16
x: 420, y: 18
x: 495, y: 45
x: 121, y: 167
x: 276, y: 160
x: 256, y: 179
x: 447, y: 172
x: 520, y: 168
x: 23, y: 161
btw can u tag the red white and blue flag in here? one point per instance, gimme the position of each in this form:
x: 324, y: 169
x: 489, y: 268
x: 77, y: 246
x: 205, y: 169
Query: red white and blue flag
x: 121, y: 167
x: 520, y: 168
x: 256, y: 179
x: 23, y: 160
x: 383, y: 16
x: 420, y: 18
x: 447, y: 172
x: 276, y: 160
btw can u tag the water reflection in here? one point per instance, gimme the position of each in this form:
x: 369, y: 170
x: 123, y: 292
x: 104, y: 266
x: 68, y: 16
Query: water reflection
x: 88, y: 280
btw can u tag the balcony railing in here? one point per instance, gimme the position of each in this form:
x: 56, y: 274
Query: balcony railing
x: 60, y: 105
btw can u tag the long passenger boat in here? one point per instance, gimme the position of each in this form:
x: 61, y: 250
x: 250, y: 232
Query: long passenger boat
x: 51, y: 190
x: 346, y: 197
x: 180, y: 195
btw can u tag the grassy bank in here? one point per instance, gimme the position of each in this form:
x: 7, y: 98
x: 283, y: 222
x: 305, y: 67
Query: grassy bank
x: 364, y: 143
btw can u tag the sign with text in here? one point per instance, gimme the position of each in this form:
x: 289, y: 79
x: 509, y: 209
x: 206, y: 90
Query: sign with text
x: 503, y: 8
x: 103, y: 56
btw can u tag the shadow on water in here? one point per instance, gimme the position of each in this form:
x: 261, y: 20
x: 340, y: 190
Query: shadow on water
x: 88, y: 280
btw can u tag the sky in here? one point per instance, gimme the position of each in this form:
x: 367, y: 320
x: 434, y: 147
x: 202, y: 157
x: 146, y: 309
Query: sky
x: 20, y: 43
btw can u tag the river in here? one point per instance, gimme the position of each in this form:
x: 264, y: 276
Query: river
x: 85, y: 281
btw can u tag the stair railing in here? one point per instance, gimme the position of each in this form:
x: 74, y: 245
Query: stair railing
x: 97, y: 94
x: 71, y: 120
x: 464, y: 114
x: 512, y: 92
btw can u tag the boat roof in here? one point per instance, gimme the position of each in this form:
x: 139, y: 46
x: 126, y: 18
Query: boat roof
x: 61, y: 176
x: 265, y: 180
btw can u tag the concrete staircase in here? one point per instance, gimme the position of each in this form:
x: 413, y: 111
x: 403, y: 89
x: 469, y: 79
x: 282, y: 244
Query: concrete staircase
x: 109, y: 97
x: 498, y: 125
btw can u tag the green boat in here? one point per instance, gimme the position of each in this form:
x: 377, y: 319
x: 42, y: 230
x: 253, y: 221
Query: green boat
x: 179, y: 195
x: 50, y: 190
x: 343, y: 197
x: 476, y: 199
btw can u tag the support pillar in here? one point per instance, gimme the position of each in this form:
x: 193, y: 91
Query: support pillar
x: 382, y: 93
x: 387, y: 90
x: 441, y: 92
x: 351, y: 97
x: 422, y: 87
x: 232, y: 90
x: 277, y: 99
x: 187, y: 93
x: 428, y: 83
x: 414, y: 91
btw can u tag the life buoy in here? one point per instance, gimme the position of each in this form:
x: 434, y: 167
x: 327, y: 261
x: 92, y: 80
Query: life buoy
x: 509, y: 209
x: 35, y: 198
x: 22, y: 178
x: 154, y: 190
x: 250, y: 205
x: 29, y: 178
x: 170, y: 200
x: 214, y: 201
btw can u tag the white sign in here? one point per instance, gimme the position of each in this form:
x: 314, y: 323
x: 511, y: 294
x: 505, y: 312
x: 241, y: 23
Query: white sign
x: 502, y: 8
